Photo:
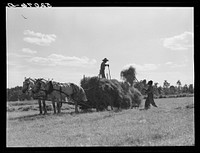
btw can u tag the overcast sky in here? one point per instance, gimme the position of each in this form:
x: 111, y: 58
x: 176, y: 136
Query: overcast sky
x: 67, y: 43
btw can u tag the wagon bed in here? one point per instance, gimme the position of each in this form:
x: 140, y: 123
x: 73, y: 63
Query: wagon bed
x: 83, y: 105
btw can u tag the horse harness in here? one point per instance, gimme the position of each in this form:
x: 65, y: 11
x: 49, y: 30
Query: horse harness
x: 59, y: 90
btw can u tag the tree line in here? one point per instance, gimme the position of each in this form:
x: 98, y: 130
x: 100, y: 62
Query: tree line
x: 15, y: 94
x: 166, y: 89
x: 129, y: 75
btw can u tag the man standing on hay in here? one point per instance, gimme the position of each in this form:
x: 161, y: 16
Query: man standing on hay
x: 102, y: 68
x: 150, y: 99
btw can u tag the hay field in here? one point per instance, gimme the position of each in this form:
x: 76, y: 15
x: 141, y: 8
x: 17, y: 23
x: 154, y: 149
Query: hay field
x: 171, y: 124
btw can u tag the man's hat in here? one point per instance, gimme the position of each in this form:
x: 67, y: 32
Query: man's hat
x: 105, y: 59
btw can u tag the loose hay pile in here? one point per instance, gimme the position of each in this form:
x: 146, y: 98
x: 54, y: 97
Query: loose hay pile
x: 132, y: 95
x: 102, y: 93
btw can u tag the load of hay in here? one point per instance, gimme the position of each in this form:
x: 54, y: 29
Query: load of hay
x: 102, y: 93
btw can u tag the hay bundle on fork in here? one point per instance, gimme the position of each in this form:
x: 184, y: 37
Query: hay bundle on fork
x: 134, y: 95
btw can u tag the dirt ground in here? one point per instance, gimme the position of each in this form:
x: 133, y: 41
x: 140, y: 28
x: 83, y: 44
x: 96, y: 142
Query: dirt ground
x: 171, y: 124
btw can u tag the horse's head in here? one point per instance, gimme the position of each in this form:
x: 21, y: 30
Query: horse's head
x: 27, y: 84
x: 37, y: 86
x: 49, y: 87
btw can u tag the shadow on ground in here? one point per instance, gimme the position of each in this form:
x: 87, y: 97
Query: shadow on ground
x: 49, y: 114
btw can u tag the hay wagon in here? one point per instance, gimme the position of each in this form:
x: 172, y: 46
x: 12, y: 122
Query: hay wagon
x: 83, y: 105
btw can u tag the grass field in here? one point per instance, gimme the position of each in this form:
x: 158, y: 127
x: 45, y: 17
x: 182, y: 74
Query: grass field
x: 171, y: 124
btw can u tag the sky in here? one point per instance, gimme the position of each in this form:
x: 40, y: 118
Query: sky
x: 65, y: 43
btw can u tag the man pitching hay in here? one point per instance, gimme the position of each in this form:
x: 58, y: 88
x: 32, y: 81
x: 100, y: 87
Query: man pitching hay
x: 150, y: 99
x: 102, y: 68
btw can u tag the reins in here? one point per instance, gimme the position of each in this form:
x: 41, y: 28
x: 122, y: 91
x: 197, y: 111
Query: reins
x: 39, y: 89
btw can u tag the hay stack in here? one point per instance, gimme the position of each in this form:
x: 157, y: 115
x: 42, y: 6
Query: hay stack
x: 102, y: 93
x: 132, y: 96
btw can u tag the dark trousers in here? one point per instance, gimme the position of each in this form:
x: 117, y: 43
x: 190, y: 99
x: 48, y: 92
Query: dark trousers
x: 102, y: 73
x: 149, y: 101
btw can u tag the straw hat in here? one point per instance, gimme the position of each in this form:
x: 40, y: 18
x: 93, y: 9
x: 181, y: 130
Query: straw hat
x: 105, y: 59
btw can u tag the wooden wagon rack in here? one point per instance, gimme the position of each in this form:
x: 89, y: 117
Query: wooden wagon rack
x: 83, y: 105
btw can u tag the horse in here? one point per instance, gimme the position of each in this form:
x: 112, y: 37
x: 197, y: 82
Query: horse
x: 29, y: 86
x: 59, y: 91
x: 42, y: 92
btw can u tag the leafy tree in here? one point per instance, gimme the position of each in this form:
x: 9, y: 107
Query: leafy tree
x: 166, y: 84
x: 185, y: 89
x: 160, y: 90
x: 172, y: 90
x: 178, y: 83
x: 191, y: 88
x: 156, y: 88
x: 166, y: 87
x: 15, y: 94
x: 179, y: 86
x: 156, y: 85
